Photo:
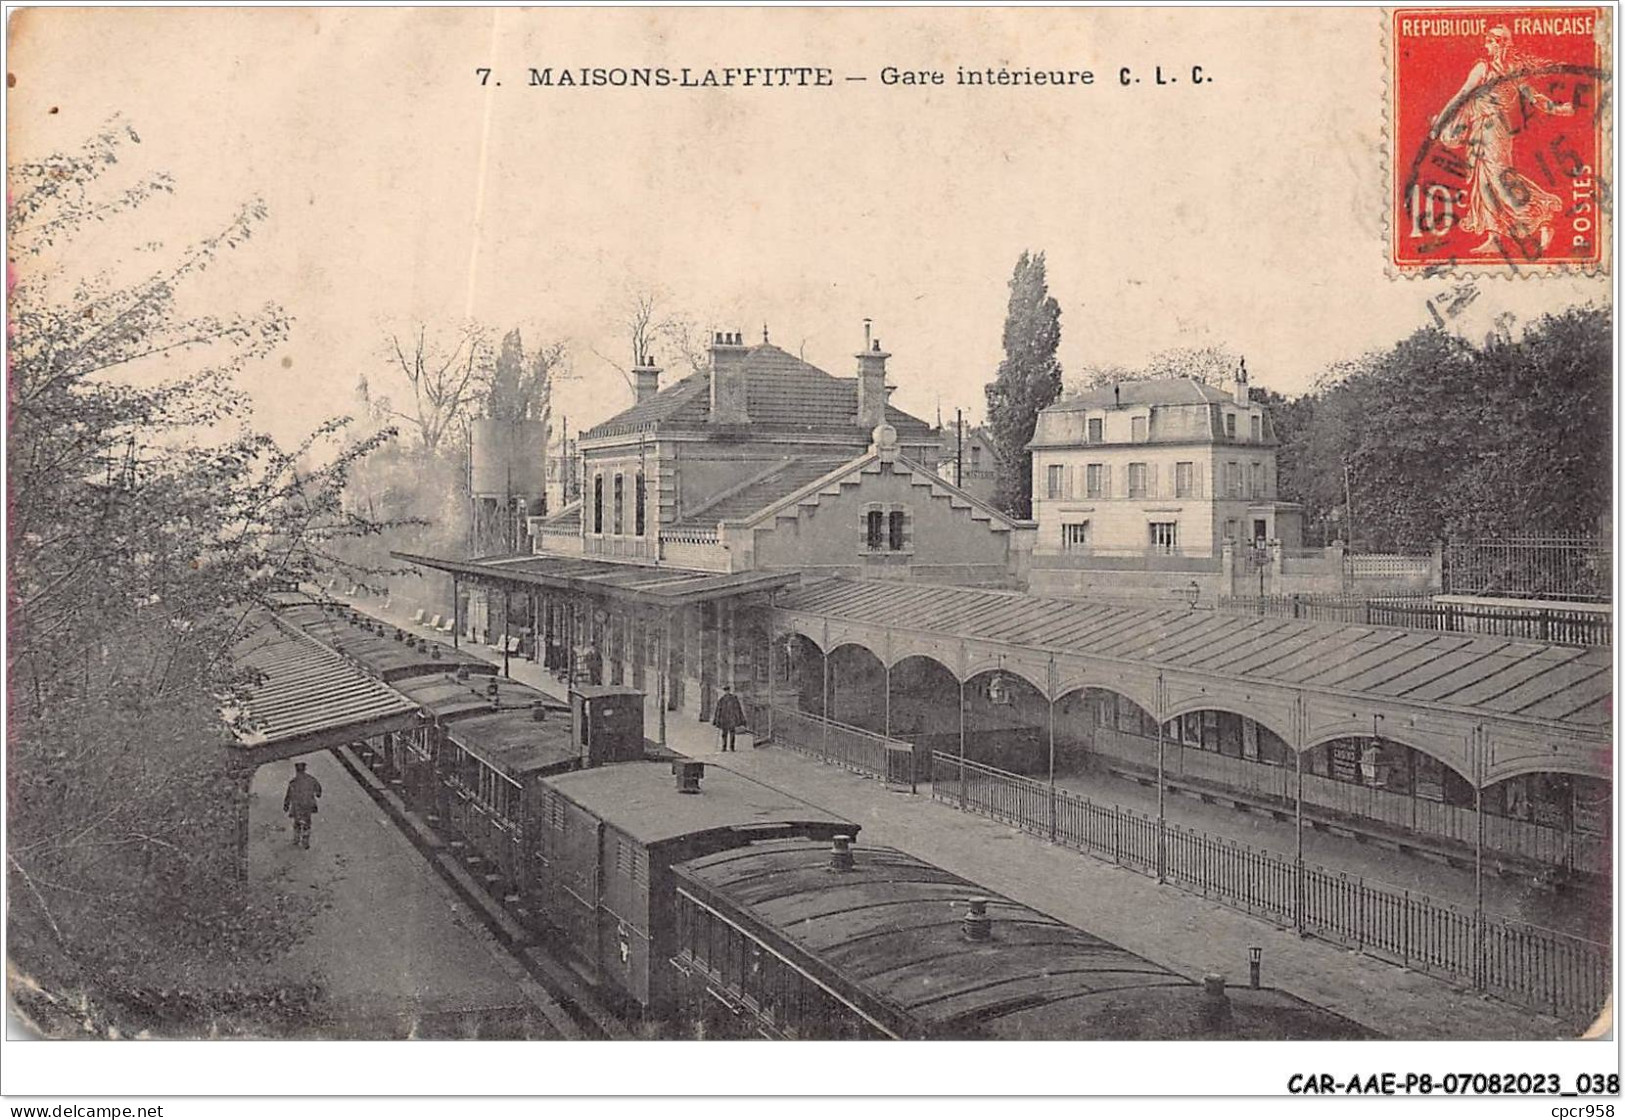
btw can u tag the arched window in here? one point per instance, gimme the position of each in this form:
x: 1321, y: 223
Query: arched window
x: 598, y: 503
x: 640, y: 524
x: 620, y: 503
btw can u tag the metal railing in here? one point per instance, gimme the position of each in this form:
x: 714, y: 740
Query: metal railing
x: 890, y: 760
x: 1538, y: 968
x: 1575, y: 566
x: 1561, y: 627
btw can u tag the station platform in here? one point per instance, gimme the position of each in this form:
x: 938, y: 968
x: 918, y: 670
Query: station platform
x: 392, y: 950
x: 1174, y: 929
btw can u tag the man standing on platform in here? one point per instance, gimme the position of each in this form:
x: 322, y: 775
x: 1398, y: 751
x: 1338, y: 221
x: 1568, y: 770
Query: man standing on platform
x: 729, y: 717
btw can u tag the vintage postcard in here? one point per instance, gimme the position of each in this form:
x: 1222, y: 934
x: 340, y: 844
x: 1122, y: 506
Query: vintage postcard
x: 706, y: 524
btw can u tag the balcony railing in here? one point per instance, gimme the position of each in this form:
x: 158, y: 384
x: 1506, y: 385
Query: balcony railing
x: 631, y: 548
x: 688, y: 536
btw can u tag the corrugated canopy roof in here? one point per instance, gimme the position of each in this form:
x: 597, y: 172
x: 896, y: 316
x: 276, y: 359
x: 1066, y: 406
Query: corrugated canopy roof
x: 307, y: 696
x: 373, y: 642
x: 642, y: 583
x: 1562, y: 686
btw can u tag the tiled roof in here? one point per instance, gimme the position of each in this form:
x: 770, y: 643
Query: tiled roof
x: 567, y: 518
x: 1183, y: 390
x: 791, y: 475
x: 781, y: 391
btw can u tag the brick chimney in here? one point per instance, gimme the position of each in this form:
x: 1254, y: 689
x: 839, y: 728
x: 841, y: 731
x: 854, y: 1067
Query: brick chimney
x: 1239, y: 389
x: 728, y: 402
x: 645, y: 378
x: 871, y: 381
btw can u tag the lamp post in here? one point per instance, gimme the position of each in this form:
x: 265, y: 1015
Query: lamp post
x: 1259, y: 558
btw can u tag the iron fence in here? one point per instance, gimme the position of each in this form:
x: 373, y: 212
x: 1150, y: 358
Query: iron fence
x: 1542, y: 969
x: 852, y: 748
x: 1422, y: 612
x: 1575, y: 566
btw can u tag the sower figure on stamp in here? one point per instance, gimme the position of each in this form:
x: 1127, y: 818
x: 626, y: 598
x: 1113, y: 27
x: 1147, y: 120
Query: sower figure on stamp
x: 729, y: 717
x: 1482, y: 119
x: 300, y: 803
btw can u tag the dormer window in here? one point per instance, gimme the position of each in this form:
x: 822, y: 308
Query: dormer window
x: 1137, y: 429
x: 1256, y: 425
x: 1230, y: 425
x: 1097, y: 430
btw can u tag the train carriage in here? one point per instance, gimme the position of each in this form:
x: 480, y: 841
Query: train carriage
x: 796, y: 940
x: 604, y: 858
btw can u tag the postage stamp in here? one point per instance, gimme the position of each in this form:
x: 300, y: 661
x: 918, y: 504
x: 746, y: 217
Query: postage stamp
x: 1497, y: 120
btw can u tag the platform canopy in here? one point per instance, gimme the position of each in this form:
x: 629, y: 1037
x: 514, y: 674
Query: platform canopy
x: 1560, y: 686
x: 644, y: 584
x: 306, y: 697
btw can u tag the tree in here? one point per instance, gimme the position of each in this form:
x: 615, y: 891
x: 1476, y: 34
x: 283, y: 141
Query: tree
x: 1525, y: 421
x: 1029, y: 380
x: 651, y: 326
x: 148, y: 521
x: 445, y: 379
x: 520, y: 385
x: 1215, y: 365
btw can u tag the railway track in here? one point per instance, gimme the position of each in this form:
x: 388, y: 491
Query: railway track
x: 563, y: 998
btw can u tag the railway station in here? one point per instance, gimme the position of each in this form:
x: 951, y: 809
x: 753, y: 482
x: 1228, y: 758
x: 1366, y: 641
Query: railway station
x: 1438, y: 796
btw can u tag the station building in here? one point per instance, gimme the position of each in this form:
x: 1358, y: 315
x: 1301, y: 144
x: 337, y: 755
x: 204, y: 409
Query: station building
x: 767, y: 526
x: 707, y: 496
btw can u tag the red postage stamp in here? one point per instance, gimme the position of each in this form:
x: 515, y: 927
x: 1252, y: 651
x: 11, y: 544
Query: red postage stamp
x: 1496, y: 121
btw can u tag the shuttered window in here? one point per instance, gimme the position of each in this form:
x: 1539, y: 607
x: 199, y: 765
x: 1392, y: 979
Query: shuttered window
x: 1136, y: 480
x: 1184, y: 480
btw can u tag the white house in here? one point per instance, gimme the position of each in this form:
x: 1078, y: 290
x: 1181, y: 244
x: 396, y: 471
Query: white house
x: 1169, y: 467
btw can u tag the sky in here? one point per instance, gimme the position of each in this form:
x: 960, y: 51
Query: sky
x: 1246, y: 212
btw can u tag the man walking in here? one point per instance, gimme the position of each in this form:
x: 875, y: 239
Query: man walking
x: 300, y: 803
x: 729, y: 717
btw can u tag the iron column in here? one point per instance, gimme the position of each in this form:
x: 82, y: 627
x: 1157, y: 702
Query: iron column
x: 1297, y: 871
x: 1161, y: 821
x: 1052, y: 747
x: 961, y: 746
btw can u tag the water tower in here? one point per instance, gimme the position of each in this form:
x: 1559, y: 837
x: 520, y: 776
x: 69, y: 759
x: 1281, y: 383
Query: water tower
x: 507, y: 468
